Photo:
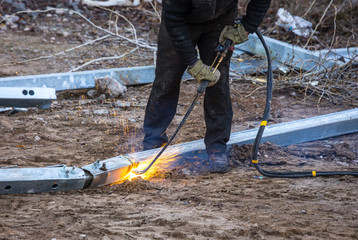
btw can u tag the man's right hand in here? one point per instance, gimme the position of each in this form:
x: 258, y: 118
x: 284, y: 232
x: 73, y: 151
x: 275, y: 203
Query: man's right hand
x: 200, y: 72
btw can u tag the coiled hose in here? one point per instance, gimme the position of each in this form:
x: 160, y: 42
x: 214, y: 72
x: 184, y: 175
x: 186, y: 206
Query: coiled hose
x: 275, y: 174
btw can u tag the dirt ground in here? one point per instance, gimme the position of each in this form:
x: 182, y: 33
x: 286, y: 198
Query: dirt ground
x: 237, y: 205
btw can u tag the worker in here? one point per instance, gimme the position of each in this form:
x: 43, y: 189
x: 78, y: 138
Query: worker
x: 203, y: 23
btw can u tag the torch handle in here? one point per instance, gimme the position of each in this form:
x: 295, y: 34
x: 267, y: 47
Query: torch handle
x: 203, y: 85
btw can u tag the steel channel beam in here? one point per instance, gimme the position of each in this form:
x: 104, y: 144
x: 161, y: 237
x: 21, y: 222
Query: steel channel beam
x: 27, y: 97
x: 193, y: 153
x: 284, y: 134
x: 46, y: 179
x: 288, y: 54
x: 346, y: 54
x: 85, y: 79
x: 30, y: 180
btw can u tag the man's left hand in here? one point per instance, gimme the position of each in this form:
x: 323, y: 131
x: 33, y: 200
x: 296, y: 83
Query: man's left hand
x: 237, y: 34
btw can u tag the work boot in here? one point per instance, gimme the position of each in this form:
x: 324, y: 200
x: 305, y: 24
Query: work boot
x: 145, y: 148
x: 219, y: 163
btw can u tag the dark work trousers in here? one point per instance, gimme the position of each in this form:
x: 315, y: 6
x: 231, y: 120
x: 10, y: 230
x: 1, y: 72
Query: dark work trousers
x: 164, y: 96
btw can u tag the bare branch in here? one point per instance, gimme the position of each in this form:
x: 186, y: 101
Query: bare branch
x: 126, y: 19
x: 309, y: 9
x: 320, y: 21
x: 155, y: 10
x: 135, y: 42
x: 102, y: 59
x: 111, y: 3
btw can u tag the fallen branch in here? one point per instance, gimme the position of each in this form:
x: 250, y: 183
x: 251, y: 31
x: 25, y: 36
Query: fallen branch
x: 320, y: 21
x: 119, y: 15
x: 154, y: 6
x: 338, y: 84
x: 135, y: 42
x: 309, y: 9
x: 112, y: 3
x: 102, y: 59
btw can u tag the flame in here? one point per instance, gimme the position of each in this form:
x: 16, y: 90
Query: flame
x: 122, y: 124
x: 131, y: 175
x: 168, y: 157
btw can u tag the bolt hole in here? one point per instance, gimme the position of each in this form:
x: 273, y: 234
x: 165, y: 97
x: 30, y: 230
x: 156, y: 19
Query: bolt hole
x: 31, y: 92
x: 54, y: 186
x: 24, y: 92
x: 7, y: 188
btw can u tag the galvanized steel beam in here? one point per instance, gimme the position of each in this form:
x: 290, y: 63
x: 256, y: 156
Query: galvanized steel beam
x: 47, y: 179
x: 298, y: 57
x: 294, y: 132
x: 27, y: 97
x: 339, y: 54
x: 84, y: 79
x: 29, y: 180
x: 282, y: 52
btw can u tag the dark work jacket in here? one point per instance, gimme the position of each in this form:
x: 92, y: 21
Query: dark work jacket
x: 178, y: 14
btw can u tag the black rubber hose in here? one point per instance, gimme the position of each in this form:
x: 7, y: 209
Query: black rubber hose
x: 255, y: 148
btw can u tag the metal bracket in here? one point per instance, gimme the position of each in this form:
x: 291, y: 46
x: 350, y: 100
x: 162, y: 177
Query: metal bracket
x: 109, y: 171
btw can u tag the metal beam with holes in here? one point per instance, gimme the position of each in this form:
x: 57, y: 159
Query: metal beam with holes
x: 31, y: 180
x: 27, y: 97
x: 34, y: 180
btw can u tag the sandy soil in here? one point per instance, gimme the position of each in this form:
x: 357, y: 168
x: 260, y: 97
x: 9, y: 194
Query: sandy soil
x: 237, y: 205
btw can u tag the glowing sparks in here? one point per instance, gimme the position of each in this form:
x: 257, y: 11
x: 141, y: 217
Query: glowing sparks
x: 163, y: 162
x: 123, y: 125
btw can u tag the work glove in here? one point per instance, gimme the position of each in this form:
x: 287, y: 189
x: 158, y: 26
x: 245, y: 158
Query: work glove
x: 237, y: 34
x: 200, y: 72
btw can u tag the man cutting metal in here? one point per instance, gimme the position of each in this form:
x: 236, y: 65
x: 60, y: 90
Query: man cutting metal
x: 205, y: 24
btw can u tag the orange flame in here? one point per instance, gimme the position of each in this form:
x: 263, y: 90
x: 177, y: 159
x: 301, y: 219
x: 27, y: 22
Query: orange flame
x: 164, y: 161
